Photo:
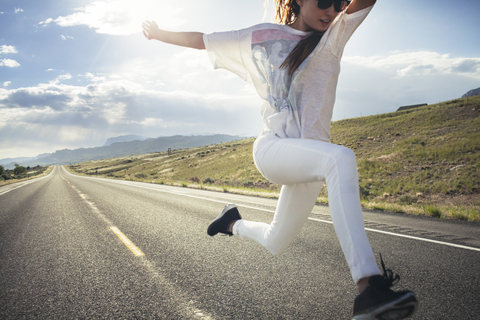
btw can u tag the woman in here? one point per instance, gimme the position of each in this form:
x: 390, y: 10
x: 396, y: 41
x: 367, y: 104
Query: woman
x: 294, y: 67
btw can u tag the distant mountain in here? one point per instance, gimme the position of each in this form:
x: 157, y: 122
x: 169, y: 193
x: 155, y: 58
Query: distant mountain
x: 121, y: 149
x: 43, y: 155
x: 9, y: 163
x: 127, y: 138
x: 471, y: 93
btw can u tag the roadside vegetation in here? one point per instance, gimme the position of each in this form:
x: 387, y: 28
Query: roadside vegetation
x: 20, y: 173
x: 423, y: 161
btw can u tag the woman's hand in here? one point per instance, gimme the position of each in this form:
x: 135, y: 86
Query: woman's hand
x: 150, y: 30
x: 184, y: 39
x: 357, y: 5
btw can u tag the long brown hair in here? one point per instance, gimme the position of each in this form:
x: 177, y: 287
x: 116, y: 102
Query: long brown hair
x: 286, y: 12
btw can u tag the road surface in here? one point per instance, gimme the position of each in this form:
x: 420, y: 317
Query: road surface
x: 83, y: 247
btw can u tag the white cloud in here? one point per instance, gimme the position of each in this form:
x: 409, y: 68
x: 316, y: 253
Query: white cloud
x: 45, y: 22
x: 115, y: 104
x: 6, y: 83
x: 31, y: 140
x: 9, y: 63
x: 380, y: 84
x: 420, y: 63
x: 48, y: 70
x: 4, y: 49
x: 120, y: 17
x: 64, y: 38
x: 95, y: 78
x: 7, y: 49
x: 149, y: 96
x: 61, y: 78
x: 17, y: 10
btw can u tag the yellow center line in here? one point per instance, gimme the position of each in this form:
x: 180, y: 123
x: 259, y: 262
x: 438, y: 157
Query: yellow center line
x: 136, y: 251
x: 130, y: 245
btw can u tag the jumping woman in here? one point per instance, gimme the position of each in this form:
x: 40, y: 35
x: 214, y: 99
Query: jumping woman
x: 294, y: 66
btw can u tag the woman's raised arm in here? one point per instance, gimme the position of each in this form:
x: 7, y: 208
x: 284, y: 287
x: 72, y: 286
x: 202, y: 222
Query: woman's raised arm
x: 185, y: 39
x: 357, y: 5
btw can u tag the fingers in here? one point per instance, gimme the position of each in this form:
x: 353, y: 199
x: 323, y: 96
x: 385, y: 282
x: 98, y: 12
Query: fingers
x: 149, y: 27
x: 152, y: 24
x: 146, y: 29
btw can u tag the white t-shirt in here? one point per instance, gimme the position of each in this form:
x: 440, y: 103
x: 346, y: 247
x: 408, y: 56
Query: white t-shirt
x: 296, y: 106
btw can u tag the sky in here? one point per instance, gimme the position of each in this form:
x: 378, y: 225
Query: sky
x: 74, y: 73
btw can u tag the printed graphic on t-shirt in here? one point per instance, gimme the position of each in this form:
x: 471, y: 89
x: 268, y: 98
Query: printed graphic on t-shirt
x: 270, y: 48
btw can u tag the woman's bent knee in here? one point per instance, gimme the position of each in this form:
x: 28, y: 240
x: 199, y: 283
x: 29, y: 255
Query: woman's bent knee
x: 345, y: 154
x: 277, y: 247
x: 340, y: 159
x: 276, y: 250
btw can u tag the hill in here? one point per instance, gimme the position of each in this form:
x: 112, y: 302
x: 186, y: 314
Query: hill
x: 472, y: 93
x: 127, y: 138
x: 120, y: 149
x: 9, y: 163
x: 419, y: 161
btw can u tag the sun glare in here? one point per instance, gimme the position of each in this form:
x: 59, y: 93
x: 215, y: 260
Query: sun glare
x: 165, y: 13
x: 123, y: 17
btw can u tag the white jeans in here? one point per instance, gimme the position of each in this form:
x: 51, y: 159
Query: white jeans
x: 301, y: 166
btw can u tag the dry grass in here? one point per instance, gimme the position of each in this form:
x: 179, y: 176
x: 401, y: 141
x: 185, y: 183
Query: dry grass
x: 421, y: 161
x: 31, y: 175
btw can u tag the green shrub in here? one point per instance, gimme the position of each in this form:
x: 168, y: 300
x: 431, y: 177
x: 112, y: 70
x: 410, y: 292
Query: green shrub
x: 432, y: 210
x: 209, y: 180
x: 19, y: 170
x: 248, y: 183
x: 458, y: 215
x: 407, y: 199
x: 194, y: 179
x: 364, y: 192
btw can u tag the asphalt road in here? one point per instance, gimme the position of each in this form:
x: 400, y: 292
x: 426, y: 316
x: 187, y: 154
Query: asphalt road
x: 86, y: 248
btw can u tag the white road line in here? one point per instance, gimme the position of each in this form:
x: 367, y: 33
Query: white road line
x: 26, y: 183
x: 272, y: 211
x: 22, y: 185
x: 424, y: 239
x: 410, y: 237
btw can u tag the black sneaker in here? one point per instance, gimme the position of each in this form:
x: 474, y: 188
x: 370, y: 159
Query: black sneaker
x: 379, y: 302
x: 221, y: 223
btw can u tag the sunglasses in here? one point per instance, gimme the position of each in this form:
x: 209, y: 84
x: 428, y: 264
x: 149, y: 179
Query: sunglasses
x: 339, y: 5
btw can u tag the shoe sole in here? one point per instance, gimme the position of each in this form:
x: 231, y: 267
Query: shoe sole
x: 395, y: 310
